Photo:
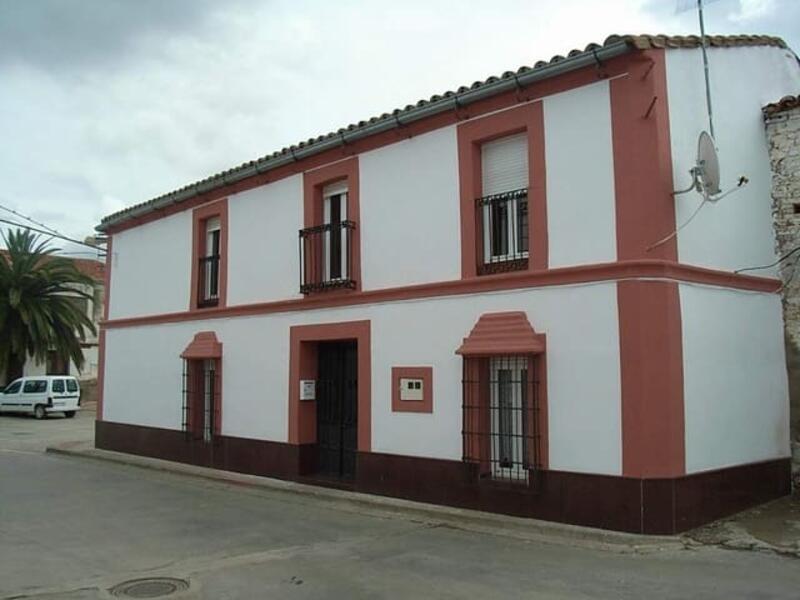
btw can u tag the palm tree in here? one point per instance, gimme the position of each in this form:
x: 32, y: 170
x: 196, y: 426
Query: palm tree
x: 37, y: 308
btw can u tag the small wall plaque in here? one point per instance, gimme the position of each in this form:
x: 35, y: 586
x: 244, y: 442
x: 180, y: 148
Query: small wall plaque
x: 308, y: 389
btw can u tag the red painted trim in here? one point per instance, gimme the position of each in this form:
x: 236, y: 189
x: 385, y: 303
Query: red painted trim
x: 313, y: 184
x: 530, y: 119
x: 101, y: 335
x: 651, y: 365
x: 204, y: 345
x: 413, y: 406
x: 199, y: 218
x: 650, y: 269
x: 502, y: 334
x: 302, y: 365
x: 562, y: 83
x: 643, y: 185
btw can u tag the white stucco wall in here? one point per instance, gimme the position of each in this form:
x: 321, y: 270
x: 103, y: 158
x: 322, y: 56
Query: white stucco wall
x: 734, y: 373
x: 736, y: 232
x: 262, y: 242
x: 581, y: 217
x: 409, y: 202
x: 582, y: 338
x: 151, y: 268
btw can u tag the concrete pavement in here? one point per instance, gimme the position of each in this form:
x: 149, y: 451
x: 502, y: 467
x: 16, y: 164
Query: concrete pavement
x: 71, y: 528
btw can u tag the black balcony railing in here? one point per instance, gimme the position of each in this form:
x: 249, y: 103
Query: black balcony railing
x: 326, y: 257
x: 502, y: 230
x: 208, y: 281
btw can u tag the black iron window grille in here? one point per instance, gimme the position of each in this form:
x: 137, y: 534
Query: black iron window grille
x: 208, y: 281
x: 200, y: 407
x: 502, y: 221
x: 326, y: 257
x: 500, y: 405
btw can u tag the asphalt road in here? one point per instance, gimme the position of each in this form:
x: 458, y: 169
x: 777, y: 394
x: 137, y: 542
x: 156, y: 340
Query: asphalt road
x: 71, y: 528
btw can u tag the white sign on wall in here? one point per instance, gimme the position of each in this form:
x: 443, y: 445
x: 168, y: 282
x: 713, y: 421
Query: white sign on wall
x: 411, y: 389
x: 308, y: 389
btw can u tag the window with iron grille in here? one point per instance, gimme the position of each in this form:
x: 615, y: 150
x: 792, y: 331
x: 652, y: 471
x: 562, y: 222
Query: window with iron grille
x: 500, y: 403
x: 326, y: 252
x: 200, y: 410
x: 502, y: 210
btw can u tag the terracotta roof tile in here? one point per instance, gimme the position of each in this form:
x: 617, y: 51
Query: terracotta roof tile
x: 784, y: 104
x: 640, y: 42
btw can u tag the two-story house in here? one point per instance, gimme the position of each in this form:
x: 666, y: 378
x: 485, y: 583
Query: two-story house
x: 478, y: 300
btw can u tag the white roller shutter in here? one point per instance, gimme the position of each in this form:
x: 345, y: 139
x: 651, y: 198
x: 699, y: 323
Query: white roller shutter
x: 504, y: 164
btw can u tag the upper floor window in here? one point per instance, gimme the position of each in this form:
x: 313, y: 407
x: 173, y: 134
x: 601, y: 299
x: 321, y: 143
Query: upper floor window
x: 503, y: 206
x: 329, y: 243
x: 209, y: 266
x: 503, y: 191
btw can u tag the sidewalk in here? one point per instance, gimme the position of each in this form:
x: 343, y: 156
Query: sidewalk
x: 434, y: 515
x: 772, y: 527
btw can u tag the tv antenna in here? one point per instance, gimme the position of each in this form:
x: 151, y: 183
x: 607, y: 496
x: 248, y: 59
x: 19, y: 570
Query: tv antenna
x: 685, y: 5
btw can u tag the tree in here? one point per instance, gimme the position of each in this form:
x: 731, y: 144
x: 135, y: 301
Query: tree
x: 37, y: 308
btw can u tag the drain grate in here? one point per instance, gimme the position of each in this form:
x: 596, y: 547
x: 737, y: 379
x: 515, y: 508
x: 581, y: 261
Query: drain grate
x: 152, y: 587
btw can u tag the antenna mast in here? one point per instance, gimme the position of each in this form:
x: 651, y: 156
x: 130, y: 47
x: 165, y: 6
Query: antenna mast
x: 705, y: 67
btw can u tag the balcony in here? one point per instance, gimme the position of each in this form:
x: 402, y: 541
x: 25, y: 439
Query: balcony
x: 208, y: 282
x: 502, y: 226
x: 326, y: 257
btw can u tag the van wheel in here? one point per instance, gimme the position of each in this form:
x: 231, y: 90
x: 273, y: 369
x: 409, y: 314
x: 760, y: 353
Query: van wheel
x: 69, y: 413
x: 39, y: 412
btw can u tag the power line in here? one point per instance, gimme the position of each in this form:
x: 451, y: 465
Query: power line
x: 27, y: 218
x: 51, y: 234
x: 777, y: 262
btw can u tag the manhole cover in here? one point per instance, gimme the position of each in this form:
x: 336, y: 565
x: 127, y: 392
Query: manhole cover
x: 154, y: 587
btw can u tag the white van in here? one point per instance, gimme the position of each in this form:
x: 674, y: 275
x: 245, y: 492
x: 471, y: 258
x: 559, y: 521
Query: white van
x: 41, y: 395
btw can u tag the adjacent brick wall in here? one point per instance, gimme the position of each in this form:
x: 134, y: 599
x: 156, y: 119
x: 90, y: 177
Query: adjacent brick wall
x: 783, y: 136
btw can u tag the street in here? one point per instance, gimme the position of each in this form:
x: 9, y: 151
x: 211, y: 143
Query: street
x: 73, y: 528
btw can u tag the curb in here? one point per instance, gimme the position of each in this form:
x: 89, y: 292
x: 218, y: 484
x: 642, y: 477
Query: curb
x: 382, y: 506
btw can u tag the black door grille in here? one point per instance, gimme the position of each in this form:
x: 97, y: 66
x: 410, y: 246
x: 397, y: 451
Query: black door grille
x: 500, y: 411
x: 337, y: 409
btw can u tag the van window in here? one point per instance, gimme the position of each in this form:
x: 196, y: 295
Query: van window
x: 72, y: 385
x: 58, y: 386
x: 13, y: 388
x: 35, y: 386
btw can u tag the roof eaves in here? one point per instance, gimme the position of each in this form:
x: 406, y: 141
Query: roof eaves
x: 436, y: 103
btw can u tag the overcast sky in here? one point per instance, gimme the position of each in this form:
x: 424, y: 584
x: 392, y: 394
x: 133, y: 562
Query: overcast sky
x: 108, y: 103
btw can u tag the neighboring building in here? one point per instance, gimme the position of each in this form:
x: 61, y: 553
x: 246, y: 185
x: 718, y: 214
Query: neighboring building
x: 783, y: 135
x: 474, y: 312
x: 94, y: 310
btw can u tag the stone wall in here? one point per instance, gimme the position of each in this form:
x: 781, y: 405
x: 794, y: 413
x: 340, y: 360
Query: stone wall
x: 783, y: 136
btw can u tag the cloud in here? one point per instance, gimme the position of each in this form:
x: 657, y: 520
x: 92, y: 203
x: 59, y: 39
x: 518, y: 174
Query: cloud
x: 107, y: 103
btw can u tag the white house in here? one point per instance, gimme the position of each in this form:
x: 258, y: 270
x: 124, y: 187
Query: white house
x: 476, y: 310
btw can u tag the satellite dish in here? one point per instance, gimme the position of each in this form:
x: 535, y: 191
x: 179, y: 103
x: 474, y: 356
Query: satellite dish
x: 707, y: 169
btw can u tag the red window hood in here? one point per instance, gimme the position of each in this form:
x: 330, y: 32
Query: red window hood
x: 503, y: 333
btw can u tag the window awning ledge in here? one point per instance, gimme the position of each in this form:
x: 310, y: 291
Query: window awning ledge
x: 204, y: 345
x: 502, y: 333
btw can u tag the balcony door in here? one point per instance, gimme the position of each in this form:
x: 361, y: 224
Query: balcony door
x: 334, y: 208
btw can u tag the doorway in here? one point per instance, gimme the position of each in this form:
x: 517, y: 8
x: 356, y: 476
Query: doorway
x: 337, y: 408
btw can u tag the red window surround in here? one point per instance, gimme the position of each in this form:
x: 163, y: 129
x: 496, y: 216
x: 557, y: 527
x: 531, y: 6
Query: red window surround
x: 417, y: 406
x: 200, y: 217
x: 503, y: 334
x: 204, y: 346
x: 313, y: 184
x: 528, y: 118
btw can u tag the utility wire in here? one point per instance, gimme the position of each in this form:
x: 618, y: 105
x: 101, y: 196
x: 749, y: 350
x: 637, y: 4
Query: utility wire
x: 27, y: 218
x: 55, y: 235
x: 777, y: 262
